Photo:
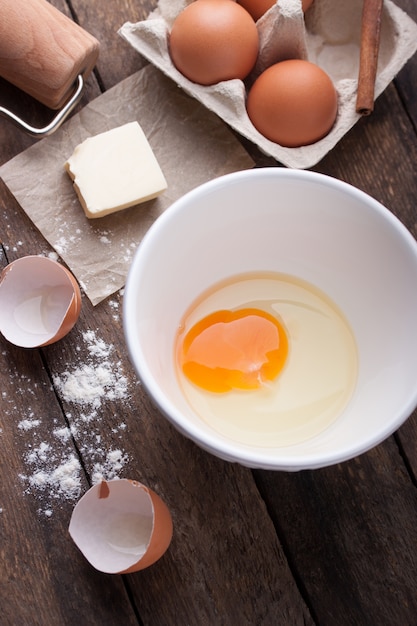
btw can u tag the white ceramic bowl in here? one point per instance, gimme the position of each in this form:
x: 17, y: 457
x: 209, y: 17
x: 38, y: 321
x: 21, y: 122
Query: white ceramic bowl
x: 294, y: 222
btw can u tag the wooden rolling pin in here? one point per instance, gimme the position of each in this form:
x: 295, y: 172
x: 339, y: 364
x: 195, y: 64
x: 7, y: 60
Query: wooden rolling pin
x: 42, y: 51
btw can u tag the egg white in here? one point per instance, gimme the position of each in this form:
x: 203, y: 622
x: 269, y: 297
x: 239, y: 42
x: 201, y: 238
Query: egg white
x: 318, y: 378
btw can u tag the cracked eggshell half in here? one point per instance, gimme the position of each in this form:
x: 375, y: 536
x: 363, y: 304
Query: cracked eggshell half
x: 40, y: 301
x: 121, y: 526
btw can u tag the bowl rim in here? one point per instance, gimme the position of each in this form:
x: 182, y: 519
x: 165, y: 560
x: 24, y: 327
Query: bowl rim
x: 256, y: 457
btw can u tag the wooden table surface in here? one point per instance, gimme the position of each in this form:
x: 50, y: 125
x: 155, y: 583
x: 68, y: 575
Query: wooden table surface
x: 335, y: 546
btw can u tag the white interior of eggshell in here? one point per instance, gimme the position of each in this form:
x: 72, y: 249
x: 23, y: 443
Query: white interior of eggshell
x: 328, y: 35
x: 35, y: 295
x: 113, y: 531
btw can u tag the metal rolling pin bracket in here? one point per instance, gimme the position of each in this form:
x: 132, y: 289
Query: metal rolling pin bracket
x: 56, y: 122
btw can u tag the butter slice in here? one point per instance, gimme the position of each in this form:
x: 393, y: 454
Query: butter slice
x: 115, y: 170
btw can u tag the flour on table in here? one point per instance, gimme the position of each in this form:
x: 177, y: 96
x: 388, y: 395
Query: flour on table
x: 109, y: 468
x: 114, y: 304
x: 28, y: 424
x: 52, y: 469
x: 61, y: 479
x: 52, y: 473
x: 90, y: 383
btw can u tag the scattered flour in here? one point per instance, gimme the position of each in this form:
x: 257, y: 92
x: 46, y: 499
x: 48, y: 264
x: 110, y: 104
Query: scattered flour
x: 53, y: 470
x: 115, y: 306
x: 61, y: 245
x: 64, y: 479
x: 12, y: 248
x: 110, y: 467
x: 90, y: 383
x: 28, y: 424
x: 65, y: 239
x: 64, y: 433
x: 53, y: 473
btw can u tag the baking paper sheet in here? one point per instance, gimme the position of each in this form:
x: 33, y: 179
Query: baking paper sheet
x: 192, y: 146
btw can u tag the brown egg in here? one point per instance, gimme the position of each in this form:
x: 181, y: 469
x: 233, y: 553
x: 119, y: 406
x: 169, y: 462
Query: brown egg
x: 214, y: 40
x: 293, y: 103
x: 258, y: 7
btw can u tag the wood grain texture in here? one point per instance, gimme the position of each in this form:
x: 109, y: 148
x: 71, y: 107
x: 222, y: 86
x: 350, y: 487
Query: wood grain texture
x: 351, y: 533
x: 406, y: 78
x: 332, y: 547
x: 117, y: 59
x: 54, y: 50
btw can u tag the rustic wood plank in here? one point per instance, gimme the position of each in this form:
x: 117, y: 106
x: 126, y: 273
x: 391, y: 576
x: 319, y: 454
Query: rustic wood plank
x: 117, y: 59
x: 351, y: 535
x: 407, y: 438
x: 406, y: 78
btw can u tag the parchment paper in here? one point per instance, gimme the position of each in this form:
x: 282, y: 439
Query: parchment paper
x: 192, y: 146
x: 328, y: 35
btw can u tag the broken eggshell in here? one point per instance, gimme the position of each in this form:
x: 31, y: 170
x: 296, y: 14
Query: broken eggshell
x: 40, y: 301
x: 121, y: 526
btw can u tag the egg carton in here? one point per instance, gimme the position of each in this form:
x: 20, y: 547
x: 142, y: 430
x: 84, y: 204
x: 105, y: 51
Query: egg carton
x: 328, y: 35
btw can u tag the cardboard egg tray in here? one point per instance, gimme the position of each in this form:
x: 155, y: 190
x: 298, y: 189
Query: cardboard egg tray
x: 328, y: 35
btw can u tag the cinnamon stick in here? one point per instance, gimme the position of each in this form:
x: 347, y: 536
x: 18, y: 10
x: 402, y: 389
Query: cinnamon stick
x: 368, y: 61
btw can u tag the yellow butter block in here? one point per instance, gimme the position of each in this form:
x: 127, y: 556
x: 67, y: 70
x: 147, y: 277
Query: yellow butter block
x: 115, y: 170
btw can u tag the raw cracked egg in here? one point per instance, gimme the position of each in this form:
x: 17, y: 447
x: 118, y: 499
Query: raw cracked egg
x: 266, y: 359
x: 40, y: 301
x: 121, y: 526
x: 234, y: 350
x: 257, y: 8
x: 293, y: 103
x: 214, y: 40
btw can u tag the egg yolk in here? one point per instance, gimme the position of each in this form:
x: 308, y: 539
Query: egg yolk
x: 228, y: 350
